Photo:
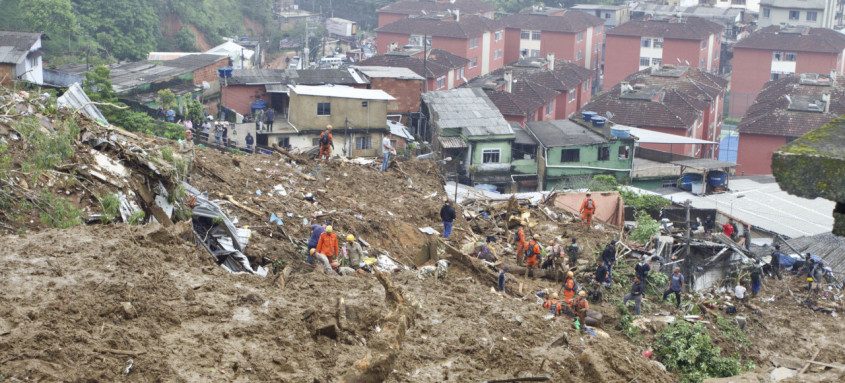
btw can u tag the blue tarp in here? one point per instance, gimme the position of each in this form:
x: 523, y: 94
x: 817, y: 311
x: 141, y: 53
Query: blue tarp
x: 727, y: 148
x: 786, y: 260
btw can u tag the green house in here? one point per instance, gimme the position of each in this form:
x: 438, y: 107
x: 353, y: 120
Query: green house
x: 571, y: 152
x: 469, y: 130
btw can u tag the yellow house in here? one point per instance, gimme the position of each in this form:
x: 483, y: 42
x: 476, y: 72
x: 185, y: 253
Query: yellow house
x: 358, y: 116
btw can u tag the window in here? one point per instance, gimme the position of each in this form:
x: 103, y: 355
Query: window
x: 571, y: 94
x: 570, y: 155
x: 535, y: 53
x: 284, y: 142
x: 645, y: 61
x: 363, y: 143
x: 473, y: 43
x: 623, y: 152
x: 795, y: 15
x: 777, y: 75
x: 703, y: 44
x: 812, y: 16
x: 702, y: 63
x: 598, y: 46
x: 766, y: 13
x: 607, y: 15
x: 497, y: 54
x: 441, y: 82
x: 498, y: 35
x: 579, y: 36
x: 419, y: 40
x: 535, y: 35
x: 658, y: 43
x: 604, y: 153
x: 587, y: 84
x: 365, y: 104
x: 777, y: 56
x: 716, y: 54
x: 315, y: 141
x: 549, y: 107
x: 599, y: 29
x: 646, y: 42
x: 461, y: 72
x: 490, y: 156
x: 474, y: 62
x: 579, y: 55
x: 525, y: 35
x: 393, y: 144
x: 790, y: 56
x: 656, y: 62
x: 324, y: 109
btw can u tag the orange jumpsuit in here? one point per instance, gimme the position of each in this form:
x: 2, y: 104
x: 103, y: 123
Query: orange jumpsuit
x: 520, y: 245
x: 328, y: 245
x: 568, y: 291
x: 580, y: 306
x: 534, y: 258
x: 553, y: 306
x: 587, y: 211
x: 326, y: 149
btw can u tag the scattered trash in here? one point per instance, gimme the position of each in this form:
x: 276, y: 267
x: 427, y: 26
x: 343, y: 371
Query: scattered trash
x: 275, y: 219
x: 258, y: 192
x: 429, y: 230
x: 130, y: 362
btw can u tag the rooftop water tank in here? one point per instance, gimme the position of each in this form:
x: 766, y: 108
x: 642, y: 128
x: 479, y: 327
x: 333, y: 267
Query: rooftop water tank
x: 620, y: 131
x: 717, y: 178
x: 587, y: 116
x: 599, y: 121
x: 224, y: 72
x: 689, y: 178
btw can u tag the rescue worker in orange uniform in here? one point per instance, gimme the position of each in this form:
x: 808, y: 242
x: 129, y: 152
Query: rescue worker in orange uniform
x: 569, y: 288
x: 588, y: 208
x: 326, y: 143
x: 328, y: 245
x: 580, y: 306
x: 553, y: 305
x: 521, y: 246
x: 532, y: 255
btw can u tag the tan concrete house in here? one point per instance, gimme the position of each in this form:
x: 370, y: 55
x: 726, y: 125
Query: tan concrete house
x: 359, y: 118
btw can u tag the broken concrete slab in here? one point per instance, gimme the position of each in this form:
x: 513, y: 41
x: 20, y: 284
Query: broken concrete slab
x: 782, y: 373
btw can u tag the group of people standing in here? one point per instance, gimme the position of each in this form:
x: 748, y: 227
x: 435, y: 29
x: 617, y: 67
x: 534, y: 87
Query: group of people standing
x: 326, y: 144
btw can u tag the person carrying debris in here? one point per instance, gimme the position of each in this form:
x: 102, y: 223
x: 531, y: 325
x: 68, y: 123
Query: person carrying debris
x: 580, y: 307
x: 775, y: 262
x: 521, y: 246
x: 259, y: 120
x: 386, y: 151
x: 354, y: 252
x: 314, y: 240
x: 676, y: 285
x: 532, y: 255
x: 569, y: 288
x: 636, y: 295
x: 756, y: 277
x: 328, y: 245
x: 641, y: 270
x: 321, y: 258
x: 588, y: 208
x: 249, y: 141
x: 572, y: 251
x: 608, y: 255
x: 553, y: 305
x: 448, y: 215
x: 326, y: 143
x: 709, y: 225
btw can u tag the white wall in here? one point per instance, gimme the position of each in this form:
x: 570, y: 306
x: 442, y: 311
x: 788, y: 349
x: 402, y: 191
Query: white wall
x: 485, y: 53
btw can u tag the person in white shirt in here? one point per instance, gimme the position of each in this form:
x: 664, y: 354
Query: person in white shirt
x: 739, y: 291
x: 386, y: 149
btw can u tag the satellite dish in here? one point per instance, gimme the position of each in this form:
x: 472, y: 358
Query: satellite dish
x: 687, y: 62
x: 609, y: 115
x: 678, y: 60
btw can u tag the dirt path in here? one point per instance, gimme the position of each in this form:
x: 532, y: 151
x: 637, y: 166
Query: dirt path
x: 279, y: 62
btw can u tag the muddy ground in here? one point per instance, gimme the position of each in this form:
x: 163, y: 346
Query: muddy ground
x: 114, y: 302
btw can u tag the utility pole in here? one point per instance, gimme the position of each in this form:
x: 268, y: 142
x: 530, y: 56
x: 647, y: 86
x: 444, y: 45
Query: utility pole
x: 688, y: 235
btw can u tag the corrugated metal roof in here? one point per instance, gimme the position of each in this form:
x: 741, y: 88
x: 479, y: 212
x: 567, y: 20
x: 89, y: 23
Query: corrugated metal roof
x: 276, y: 88
x: 469, y: 110
x: 341, y: 92
x: 829, y: 247
x: 452, y: 142
x: 14, y: 45
x: 399, y: 130
x: 705, y: 163
x: 75, y: 98
x: 559, y: 133
x: 389, y: 72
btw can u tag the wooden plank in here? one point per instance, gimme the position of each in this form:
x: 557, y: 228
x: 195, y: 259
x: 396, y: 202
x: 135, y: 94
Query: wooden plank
x: 808, y: 362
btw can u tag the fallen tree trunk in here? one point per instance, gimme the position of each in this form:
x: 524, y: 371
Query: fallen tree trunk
x: 385, y: 346
x: 538, y: 273
x: 479, y: 268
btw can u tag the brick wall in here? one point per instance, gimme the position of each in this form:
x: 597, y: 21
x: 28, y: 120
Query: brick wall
x: 6, y: 73
x: 406, y: 92
x: 209, y: 73
x: 239, y: 98
x: 754, y: 154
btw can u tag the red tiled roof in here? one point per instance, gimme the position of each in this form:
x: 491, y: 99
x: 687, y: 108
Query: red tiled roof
x: 468, y: 27
x: 410, y: 7
x: 799, y: 39
x: 439, y: 62
x: 692, y: 28
x: 683, y: 100
x: 567, y: 75
x: 570, y: 22
x: 771, y: 114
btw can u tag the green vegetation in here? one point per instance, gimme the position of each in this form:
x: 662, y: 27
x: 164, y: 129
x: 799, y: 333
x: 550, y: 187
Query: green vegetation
x: 647, y: 227
x: 110, y: 205
x: 58, y: 212
x: 688, y: 351
x: 137, y: 218
x: 648, y: 202
x: 626, y: 326
x: 167, y: 153
x: 731, y: 331
x: 603, y: 182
